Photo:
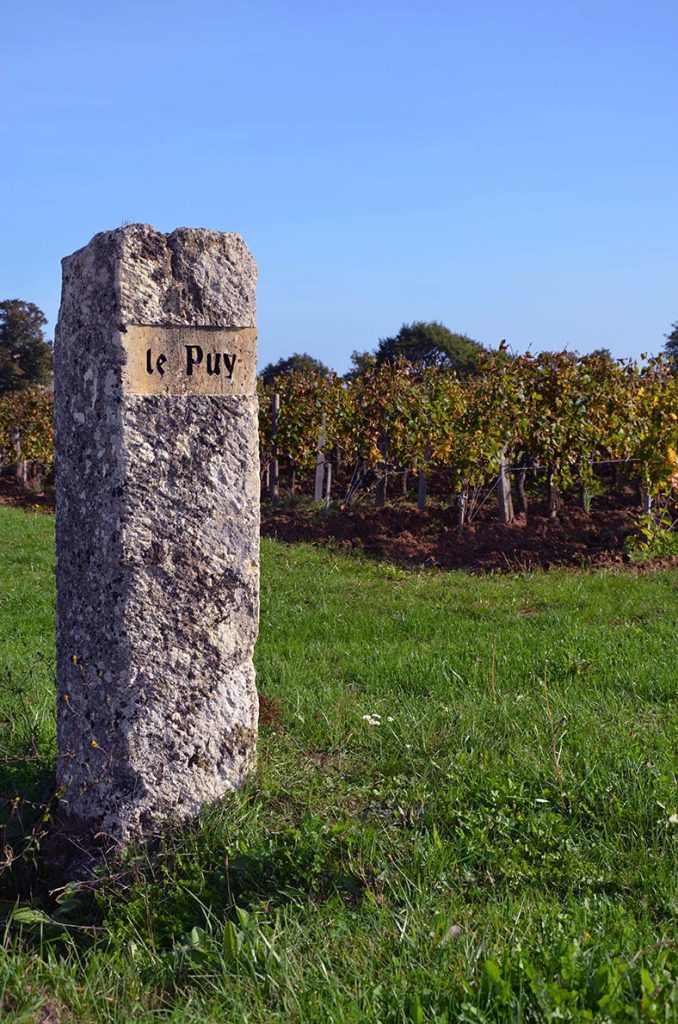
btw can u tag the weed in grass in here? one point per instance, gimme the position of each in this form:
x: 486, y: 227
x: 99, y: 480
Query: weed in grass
x: 656, y: 536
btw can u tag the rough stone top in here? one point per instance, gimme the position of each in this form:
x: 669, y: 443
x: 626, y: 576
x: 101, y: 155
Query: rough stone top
x: 191, y: 277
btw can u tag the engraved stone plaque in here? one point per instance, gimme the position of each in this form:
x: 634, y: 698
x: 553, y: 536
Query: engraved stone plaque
x: 189, y: 360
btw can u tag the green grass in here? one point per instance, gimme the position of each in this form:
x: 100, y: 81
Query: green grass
x: 502, y: 847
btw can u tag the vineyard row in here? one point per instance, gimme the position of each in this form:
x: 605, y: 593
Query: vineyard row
x: 558, y: 412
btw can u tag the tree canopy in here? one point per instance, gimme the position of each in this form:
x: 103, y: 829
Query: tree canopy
x: 432, y: 344
x: 671, y: 346
x: 293, y: 364
x: 25, y: 356
x: 602, y: 353
x: 361, y: 363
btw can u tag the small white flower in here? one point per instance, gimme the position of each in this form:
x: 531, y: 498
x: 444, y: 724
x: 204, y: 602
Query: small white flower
x: 390, y: 718
x: 374, y: 719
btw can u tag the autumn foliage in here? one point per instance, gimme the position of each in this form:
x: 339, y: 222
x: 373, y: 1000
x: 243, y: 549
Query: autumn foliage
x: 26, y: 428
x: 558, y: 411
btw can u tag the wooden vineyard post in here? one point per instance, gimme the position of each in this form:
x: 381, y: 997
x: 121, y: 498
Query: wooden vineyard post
x: 462, y: 505
x: 520, y: 487
x: 646, y: 499
x: 421, y: 481
x: 20, y: 471
x: 320, y: 462
x: 421, y: 491
x: 274, y: 481
x: 328, y: 483
x: 504, y: 490
x: 382, y: 482
x: 553, y: 495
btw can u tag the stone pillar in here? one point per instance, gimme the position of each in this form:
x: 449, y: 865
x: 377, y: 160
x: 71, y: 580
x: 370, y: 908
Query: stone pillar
x: 157, y: 527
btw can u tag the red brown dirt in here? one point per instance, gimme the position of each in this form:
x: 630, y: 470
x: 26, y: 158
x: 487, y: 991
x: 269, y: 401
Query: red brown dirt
x: 11, y: 493
x: 270, y: 711
x: 403, y: 535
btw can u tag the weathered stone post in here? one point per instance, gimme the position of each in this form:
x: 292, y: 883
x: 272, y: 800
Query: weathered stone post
x: 157, y: 527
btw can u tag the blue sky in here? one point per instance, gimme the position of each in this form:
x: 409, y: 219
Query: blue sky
x: 508, y: 168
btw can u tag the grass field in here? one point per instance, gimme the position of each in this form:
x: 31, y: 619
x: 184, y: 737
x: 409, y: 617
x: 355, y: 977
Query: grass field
x: 496, y: 841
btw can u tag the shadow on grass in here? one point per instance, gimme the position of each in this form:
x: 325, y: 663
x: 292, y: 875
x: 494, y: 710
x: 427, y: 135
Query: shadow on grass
x: 163, y: 888
x: 27, y: 788
x: 27, y: 784
x: 195, y: 871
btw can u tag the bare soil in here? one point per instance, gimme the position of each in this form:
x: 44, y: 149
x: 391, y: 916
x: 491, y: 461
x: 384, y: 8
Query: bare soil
x: 401, y: 534
x: 39, y: 500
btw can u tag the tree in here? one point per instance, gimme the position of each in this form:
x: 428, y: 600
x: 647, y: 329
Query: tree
x: 298, y: 361
x: 603, y: 354
x: 361, y: 363
x: 432, y: 344
x: 671, y: 346
x: 25, y: 356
